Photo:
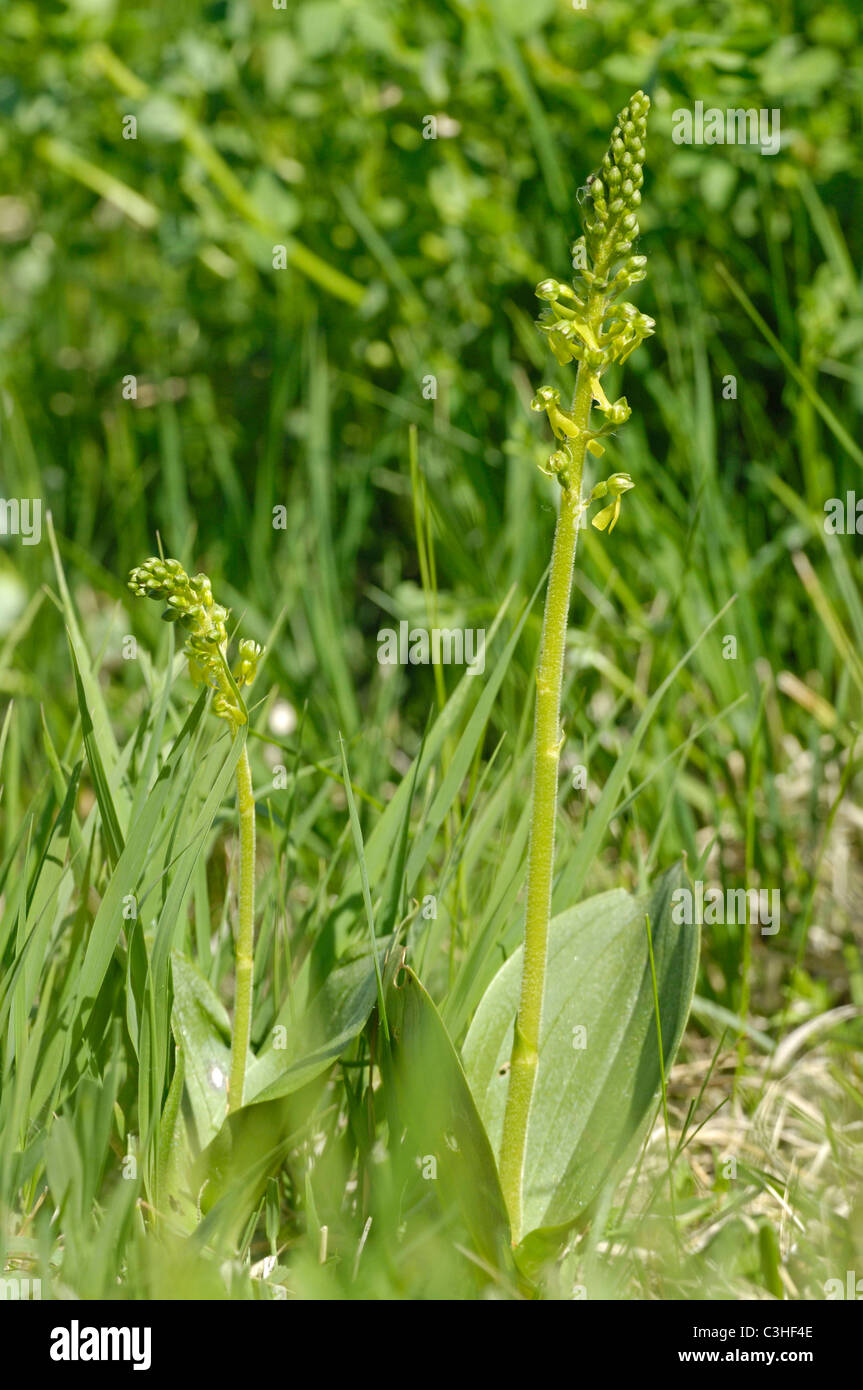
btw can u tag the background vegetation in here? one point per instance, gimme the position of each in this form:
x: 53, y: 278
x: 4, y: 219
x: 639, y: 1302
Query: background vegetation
x: 308, y: 388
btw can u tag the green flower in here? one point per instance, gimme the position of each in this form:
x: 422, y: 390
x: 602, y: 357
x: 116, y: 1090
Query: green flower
x: 586, y: 323
x: 615, y: 487
x: 190, y: 602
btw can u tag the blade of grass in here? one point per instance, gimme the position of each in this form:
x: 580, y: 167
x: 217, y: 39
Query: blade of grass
x: 357, y: 834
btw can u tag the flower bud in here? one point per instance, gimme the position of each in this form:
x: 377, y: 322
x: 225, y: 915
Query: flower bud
x: 621, y: 172
x: 545, y: 396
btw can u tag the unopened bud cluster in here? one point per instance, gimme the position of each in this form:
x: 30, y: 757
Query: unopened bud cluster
x: 190, y: 603
x: 616, y: 190
x: 584, y: 323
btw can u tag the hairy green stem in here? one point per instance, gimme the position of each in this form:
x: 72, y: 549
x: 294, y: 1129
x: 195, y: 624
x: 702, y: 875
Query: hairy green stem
x: 190, y: 603
x: 245, y: 943
x: 583, y: 324
x: 546, y: 758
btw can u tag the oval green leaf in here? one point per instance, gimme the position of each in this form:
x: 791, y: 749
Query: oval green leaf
x: 595, y: 1090
x: 439, y: 1118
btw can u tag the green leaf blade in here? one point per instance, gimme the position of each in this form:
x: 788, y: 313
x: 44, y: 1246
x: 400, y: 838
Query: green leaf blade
x: 595, y: 1091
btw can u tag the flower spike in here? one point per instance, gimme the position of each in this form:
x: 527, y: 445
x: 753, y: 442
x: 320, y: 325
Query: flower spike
x: 587, y: 323
x: 190, y: 602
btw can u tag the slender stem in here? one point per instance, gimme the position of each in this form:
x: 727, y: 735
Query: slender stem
x: 609, y: 232
x: 245, y: 943
x: 546, y: 757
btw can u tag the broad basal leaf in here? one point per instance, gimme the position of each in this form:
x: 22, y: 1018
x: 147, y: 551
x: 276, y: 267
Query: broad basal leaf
x: 439, y: 1117
x: 338, y: 1013
x: 599, y: 1074
x: 201, y: 1026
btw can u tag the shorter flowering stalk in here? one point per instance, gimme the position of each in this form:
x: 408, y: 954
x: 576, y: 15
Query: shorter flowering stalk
x: 583, y: 323
x: 190, y: 602
x: 245, y: 942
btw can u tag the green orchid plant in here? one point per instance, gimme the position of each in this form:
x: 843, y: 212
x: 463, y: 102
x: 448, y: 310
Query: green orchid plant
x: 190, y: 602
x: 584, y: 323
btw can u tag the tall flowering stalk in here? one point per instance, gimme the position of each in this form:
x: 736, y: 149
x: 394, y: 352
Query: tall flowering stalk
x: 190, y: 602
x: 583, y: 323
